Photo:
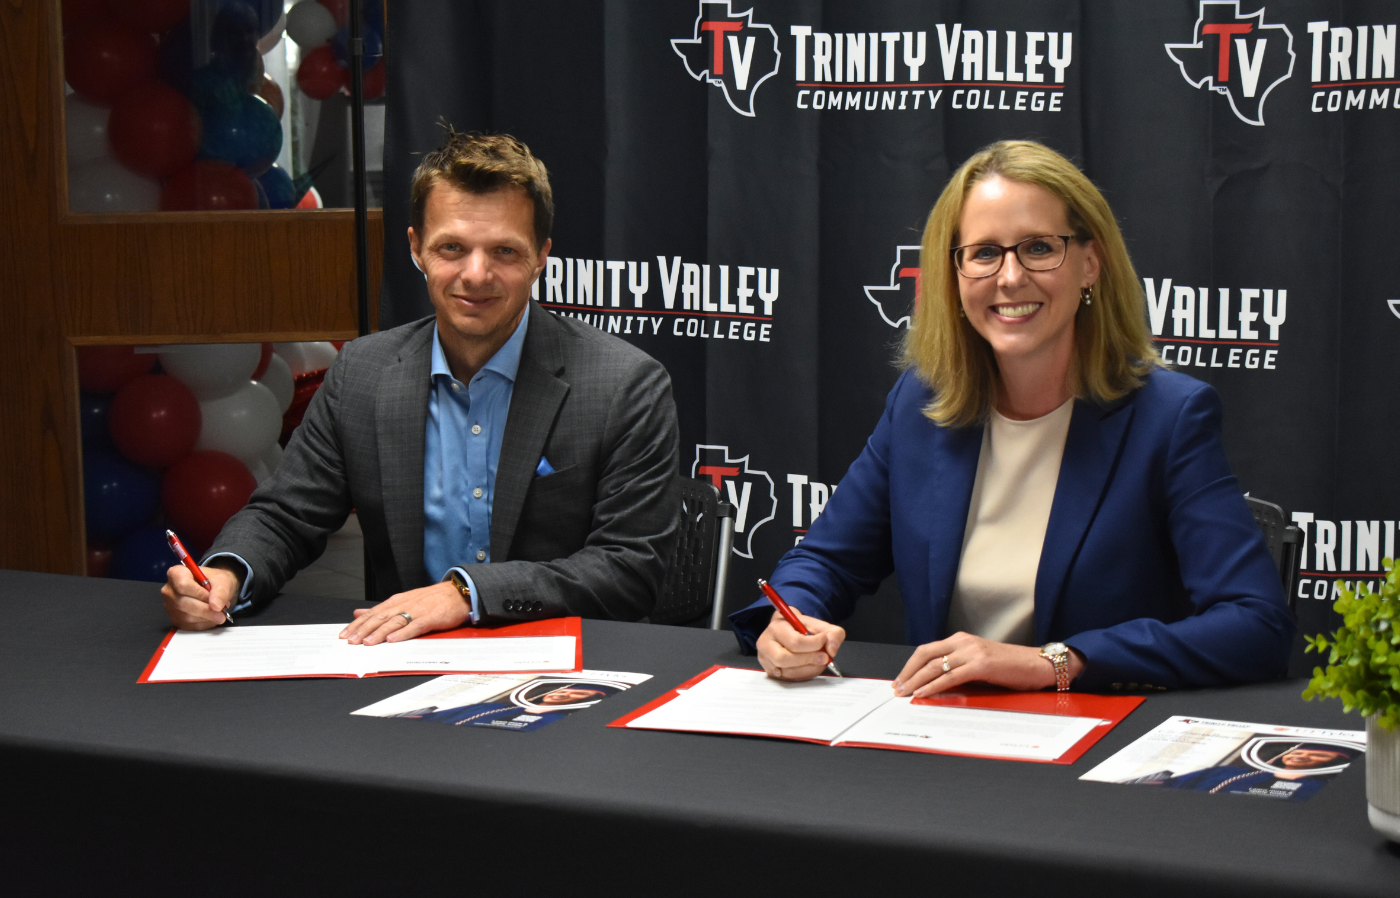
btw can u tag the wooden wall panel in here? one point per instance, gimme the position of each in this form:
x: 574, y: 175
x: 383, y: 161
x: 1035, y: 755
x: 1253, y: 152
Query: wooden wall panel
x: 68, y: 280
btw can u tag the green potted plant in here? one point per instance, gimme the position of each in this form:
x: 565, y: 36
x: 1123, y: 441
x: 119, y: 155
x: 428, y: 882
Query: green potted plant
x: 1363, y: 670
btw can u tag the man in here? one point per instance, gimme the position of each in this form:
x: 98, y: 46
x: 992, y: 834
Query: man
x: 506, y: 464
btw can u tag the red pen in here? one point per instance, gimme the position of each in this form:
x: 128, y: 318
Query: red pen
x: 791, y: 616
x: 179, y: 549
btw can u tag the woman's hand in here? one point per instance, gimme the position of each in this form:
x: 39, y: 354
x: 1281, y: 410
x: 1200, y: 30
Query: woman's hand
x: 963, y: 658
x: 788, y: 655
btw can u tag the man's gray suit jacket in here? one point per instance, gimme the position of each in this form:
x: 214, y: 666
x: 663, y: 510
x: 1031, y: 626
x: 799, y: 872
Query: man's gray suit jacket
x: 593, y: 538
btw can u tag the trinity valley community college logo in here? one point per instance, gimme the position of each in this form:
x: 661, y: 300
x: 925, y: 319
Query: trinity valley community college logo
x: 896, y: 301
x: 730, y: 51
x: 1238, y: 56
x: 750, y: 491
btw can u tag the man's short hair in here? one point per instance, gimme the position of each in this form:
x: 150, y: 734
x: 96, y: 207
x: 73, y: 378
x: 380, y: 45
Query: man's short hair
x: 483, y: 163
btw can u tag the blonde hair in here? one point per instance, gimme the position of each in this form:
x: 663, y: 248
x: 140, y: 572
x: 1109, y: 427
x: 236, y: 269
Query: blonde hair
x: 483, y: 163
x: 1113, y: 346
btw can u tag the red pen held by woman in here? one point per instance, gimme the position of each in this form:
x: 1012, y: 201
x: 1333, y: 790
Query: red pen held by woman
x: 179, y: 549
x: 791, y: 617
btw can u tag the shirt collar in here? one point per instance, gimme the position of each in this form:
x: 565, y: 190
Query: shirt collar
x: 506, y: 361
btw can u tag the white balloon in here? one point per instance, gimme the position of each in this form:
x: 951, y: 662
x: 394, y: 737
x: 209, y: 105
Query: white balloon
x: 290, y: 352
x: 319, y: 355
x: 278, y: 379
x: 310, y: 24
x: 258, y: 470
x: 105, y: 185
x: 86, y: 125
x: 272, y: 456
x: 243, y: 424
x: 304, y: 358
x: 212, y: 370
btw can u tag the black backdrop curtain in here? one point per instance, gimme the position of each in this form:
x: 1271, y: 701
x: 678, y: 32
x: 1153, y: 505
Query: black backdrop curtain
x: 763, y: 171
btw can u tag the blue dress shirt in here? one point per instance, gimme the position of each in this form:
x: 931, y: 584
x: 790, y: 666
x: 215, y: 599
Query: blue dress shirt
x: 466, y: 423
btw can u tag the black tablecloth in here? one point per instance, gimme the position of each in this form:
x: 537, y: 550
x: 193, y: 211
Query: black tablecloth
x: 223, y: 788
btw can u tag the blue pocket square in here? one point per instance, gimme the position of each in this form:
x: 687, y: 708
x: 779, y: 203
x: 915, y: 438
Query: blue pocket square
x: 544, y: 467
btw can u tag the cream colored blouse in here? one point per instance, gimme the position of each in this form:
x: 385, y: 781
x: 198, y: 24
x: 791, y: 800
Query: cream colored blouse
x: 1019, y: 465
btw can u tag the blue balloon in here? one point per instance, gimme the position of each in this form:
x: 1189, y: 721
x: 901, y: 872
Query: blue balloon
x: 119, y: 495
x: 143, y: 555
x: 93, y: 409
x: 262, y: 14
x: 247, y: 133
x: 212, y: 87
x: 278, y: 186
x: 374, y: 46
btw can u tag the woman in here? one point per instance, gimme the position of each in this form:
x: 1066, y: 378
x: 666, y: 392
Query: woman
x: 1057, y: 506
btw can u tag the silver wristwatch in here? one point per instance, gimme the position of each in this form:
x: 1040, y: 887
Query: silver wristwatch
x: 1057, y: 653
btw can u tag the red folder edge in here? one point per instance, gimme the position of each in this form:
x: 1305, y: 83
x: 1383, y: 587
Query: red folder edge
x: 559, y: 626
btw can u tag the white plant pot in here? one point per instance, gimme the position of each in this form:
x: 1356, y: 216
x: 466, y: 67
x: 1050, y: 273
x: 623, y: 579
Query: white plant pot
x: 1383, y: 778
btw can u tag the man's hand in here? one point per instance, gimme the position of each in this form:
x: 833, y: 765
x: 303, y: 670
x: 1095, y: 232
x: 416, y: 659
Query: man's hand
x: 788, y: 655
x: 972, y: 659
x: 436, y: 607
x: 191, y: 606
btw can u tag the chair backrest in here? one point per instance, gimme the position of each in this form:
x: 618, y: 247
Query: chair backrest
x: 1284, y: 541
x: 696, y: 579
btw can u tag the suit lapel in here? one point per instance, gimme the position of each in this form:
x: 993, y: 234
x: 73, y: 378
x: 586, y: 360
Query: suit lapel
x: 948, y: 498
x: 401, y: 419
x: 1091, y: 455
x: 534, y: 403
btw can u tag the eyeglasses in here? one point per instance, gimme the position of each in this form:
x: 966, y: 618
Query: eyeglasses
x: 982, y: 260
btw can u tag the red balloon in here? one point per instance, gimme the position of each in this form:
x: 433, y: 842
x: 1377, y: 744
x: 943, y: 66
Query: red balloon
x: 310, y: 200
x: 154, y: 130
x: 320, y: 75
x: 263, y: 361
x: 154, y: 420
x: 99, y: 560
x: 374, y: 82
x: 339, y: 8
x: 201, y: 492
x: 270, y: 91
x: 106, y: 369
x: 79, y: 14
x: 208, y: 185
x: 106, y: 59
x: 149, y: 15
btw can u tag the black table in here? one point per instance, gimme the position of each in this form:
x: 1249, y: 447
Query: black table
x: 226, y: 788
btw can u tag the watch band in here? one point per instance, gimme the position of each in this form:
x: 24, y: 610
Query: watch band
x: 1057, y: 653
x: 465, y: 589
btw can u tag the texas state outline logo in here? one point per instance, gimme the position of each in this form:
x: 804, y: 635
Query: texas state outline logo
x: 730, y: 51
x: 748, y: 489
x: 896, y: 301
x: 1237, y: 56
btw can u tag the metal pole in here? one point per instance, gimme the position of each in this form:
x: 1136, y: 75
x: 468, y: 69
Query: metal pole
x: 357, y: 153
x: 357, y: 150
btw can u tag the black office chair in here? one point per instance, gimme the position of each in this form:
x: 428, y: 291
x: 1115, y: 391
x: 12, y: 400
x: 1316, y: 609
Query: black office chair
x: 1285, y: 542
x: 699, y: 568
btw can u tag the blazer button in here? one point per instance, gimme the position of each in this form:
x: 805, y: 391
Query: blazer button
x: 510, y: 604
x: 537, y: 607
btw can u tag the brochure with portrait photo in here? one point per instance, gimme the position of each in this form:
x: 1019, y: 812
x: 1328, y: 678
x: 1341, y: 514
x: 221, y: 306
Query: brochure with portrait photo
x: 518, y: 702
x: 1232, y: 758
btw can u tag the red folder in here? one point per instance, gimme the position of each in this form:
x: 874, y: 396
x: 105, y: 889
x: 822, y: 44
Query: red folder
x: 557, y: 626
x: 1110, y: 709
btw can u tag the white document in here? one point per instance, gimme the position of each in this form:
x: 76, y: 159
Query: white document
x: 732, y: 700
x: 840, y: 711
x: 970, y: 731
x: 1182, y: 745
x: 228, y: 653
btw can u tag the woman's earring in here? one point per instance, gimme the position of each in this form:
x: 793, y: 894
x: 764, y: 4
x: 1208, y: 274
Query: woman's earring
x: 1086, y: 296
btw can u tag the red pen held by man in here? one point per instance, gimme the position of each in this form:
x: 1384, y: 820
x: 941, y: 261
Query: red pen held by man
x: 179, y: 549
x: 791, y: 617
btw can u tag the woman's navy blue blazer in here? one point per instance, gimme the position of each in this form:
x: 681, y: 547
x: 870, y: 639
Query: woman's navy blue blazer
x: 1152, y: 566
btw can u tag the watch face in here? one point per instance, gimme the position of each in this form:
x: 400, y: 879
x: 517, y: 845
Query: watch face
x: 1054, y: 648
